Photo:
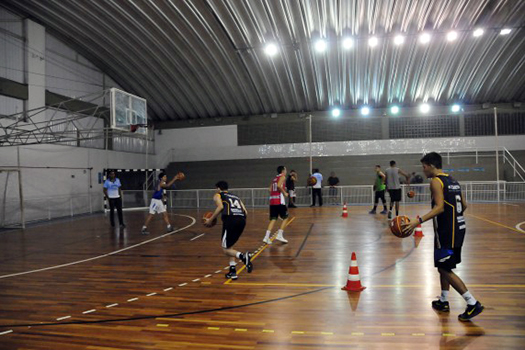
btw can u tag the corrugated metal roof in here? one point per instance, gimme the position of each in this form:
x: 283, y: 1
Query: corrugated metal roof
x: 205, y: 58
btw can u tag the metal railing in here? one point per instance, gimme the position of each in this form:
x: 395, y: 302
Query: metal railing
x: 474, y: 191
x: 516, y: 166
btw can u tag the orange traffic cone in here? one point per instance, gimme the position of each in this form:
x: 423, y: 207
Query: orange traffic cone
x: 345, y: 211
x: 419, y: 231
x: 353, y: 284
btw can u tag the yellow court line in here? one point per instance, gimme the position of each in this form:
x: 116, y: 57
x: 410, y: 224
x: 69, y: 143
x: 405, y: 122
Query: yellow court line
x: 256, y: 255
x: 371, y: 286
x: 210, y: 321
x: 495, y: 223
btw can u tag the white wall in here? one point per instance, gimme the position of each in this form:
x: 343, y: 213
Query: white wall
x: 220, y: 143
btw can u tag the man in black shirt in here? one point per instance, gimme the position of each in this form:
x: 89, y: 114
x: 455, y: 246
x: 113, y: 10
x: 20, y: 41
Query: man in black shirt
x: 333, y: 181
x: 290, y: 186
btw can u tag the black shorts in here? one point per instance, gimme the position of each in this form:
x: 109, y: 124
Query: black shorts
x: 449, y: 263
x: 395, y: 195
x: 232, y: 228
x: 277, y: 211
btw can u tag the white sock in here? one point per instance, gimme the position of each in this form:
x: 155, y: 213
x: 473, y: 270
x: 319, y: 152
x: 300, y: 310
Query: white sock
x: 444, y: 296
x: 280, y: 233
x: 238, y: 255
x: 469, y: 298
x: 267, y: 234
x: 233, y: 263
x: 144, y: 227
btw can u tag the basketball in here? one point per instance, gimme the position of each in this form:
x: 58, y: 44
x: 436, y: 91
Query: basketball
x: 411, y: 194
x: 396, y: 228
x: 208, y: 215
x: 181, y: 175
x: 312, y: 181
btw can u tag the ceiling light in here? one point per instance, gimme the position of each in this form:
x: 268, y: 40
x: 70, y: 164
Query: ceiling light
x: 320, y: 45
x: 365, y: 111
x: 348, y: 43
x: 478, y: 32
x: 424, y: 38
x: 425, y: 108
x: 505, y: 31
x: 455, y: 108
x: 271, y: 49
x: 373, y: 41
x: 394, y: 109
x: 336, y: 112
x: 451, y: 36
x: 399, y: 40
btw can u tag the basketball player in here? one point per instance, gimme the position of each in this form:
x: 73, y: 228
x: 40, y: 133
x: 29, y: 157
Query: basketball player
x: 113, y: 192
x: 393, y: 186
x: 278, y: 205
x: 379, y: 189
x: 157, y: 205
x: 317, y: 188
x: 290, y: 186
x: 234, y: 215
x: 448, y: 206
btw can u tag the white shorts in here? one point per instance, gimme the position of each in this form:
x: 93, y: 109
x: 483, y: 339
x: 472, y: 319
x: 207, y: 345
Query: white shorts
x: 156, y: 206
x: 291, y: 193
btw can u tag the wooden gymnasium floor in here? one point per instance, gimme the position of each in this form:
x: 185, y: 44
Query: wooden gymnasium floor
x: 169, y: 292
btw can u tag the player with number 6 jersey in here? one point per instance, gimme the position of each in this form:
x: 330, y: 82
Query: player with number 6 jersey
x: 233, y: 214
x: 448, y: 206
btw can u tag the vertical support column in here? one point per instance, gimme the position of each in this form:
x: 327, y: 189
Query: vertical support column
x: 310, y: 141
x: 35, y: 61
x: 497, y: 147
x: 385, y: 128
x: 461, y: 125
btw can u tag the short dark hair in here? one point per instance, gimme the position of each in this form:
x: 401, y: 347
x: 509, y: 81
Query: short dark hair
x: 316, y: 170
x: 223, y: 185
x: 434, y: 159
x: 280, y: 169
x: 378, y: 166
x: 161, y: 175
x: 292, y: 171
x: 112, y: 171
x: 392, y: 162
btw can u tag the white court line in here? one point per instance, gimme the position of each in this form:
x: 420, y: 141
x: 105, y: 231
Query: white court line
x: 207, y: 276
x: 107, y: 254
x: 518, y: 227
x: 151, y: 294
x: 63, y: 318
x: 111, y: 305
x: 168, y: 289
x: 196, y: 280
x: 7, y: 332
x: 197, y: 237
x: 89, y: 311
x: 514, y: 205
x: 182, y: 284
x: 132, y: 299
x: 218, y: 271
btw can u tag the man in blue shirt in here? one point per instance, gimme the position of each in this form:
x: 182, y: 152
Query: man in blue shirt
x: 157, y: 205
x: 113, y: 192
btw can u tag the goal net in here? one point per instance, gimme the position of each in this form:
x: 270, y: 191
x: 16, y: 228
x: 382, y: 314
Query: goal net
x: 11, y: 205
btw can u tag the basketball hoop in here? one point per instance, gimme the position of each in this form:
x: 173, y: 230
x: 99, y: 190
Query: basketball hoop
x: 135, y: 127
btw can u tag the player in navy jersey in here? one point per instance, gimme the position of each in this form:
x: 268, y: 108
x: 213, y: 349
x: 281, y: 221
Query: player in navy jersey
x: 233, y: 214
x: 157, y: 205
x: 448, y: 206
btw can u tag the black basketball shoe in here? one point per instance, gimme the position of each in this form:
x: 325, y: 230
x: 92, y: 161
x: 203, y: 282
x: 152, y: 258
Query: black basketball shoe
x: 232, y: 274
x: 442, y: 306
x: 471, y: 311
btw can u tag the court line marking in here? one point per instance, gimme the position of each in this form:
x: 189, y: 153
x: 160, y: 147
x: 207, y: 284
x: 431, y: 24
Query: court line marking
x: 168, y: 289
x: 194, y: 238
x: 259, y: 252
x: 63, y: 318
x: 104, y: 255
x: 132, y: 299
x: 304, y: 241
x: 112, y: 305
x: 496, y: 223
x: 518, y: 226
x: 89, y: 311
x: 151, y: 294
x: 371, y: 286
x: 6, y: 332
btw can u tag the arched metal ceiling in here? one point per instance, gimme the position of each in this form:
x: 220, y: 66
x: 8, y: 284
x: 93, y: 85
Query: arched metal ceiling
x: 205, y: 58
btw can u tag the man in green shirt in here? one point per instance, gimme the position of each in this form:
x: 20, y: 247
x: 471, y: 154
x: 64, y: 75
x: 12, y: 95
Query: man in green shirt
x: 379, y: 188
